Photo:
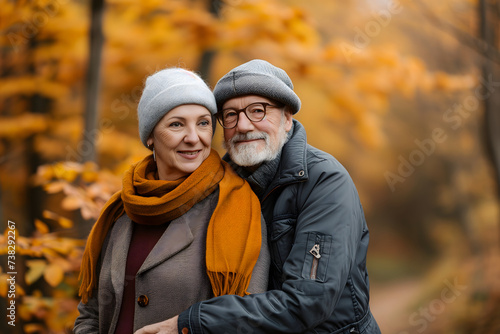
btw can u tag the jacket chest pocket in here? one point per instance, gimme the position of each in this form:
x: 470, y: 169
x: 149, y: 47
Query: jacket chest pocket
x: 282, y: 234
x: 317, y: 256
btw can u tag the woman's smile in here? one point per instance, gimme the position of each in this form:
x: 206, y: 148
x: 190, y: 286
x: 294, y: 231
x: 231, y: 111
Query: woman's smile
x: 182, y: 140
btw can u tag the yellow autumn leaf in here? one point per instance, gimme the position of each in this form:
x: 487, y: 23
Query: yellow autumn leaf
x: 65, y: 222
x: 49, y: 253
x: 53, y: 275
x: 51, y: 88
x: 89, y: 176
x: 71, y: 203
x: 62, y: 263
x: 22, y: 126
x: 19, y: 290
x: 70, y: 175
x: 54, y: 187
x: 442, y: 81
x: 33, y: 328
x: 59, y: 170
x: 62, y: 247
x: 90, y: 172
x: 45, y: 172
x: 89, y: 212
x: 50, y: 215
x: 41, y: 227
x: 28, y: 252
x: 36, y: 269
x: 50, y: 148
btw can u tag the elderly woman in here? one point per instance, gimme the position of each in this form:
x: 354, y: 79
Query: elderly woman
x: 183, y: 229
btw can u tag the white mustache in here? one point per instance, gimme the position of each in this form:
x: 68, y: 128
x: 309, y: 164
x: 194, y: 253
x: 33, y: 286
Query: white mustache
x: 249, y: 136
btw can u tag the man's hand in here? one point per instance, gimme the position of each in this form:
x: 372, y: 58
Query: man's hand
x: 165, y: 327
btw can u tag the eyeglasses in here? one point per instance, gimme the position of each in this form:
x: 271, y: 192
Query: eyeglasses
x: 255, y: 112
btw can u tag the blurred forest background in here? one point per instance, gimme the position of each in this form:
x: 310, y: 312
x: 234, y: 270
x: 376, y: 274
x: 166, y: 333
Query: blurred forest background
x: 405, y: 94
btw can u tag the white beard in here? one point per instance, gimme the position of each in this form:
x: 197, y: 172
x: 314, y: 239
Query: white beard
x: 248, y: 155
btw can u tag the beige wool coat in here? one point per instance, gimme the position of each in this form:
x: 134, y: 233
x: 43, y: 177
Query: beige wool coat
x: 172, y: 278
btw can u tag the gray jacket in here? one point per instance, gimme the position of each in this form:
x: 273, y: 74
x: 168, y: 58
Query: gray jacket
x: 173, y: 276
x: 318, y: 240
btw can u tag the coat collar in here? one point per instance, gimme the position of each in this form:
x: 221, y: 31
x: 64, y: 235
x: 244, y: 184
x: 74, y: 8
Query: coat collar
x: 293, y: 164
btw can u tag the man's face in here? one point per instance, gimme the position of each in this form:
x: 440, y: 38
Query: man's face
x: 251, y: 143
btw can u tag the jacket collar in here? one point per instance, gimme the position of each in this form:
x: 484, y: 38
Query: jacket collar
x: 293, y: 164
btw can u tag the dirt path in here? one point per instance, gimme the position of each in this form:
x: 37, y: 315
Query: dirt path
x: 391, y: 304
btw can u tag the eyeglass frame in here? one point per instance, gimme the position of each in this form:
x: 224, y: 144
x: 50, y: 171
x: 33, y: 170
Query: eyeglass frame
x: 220, y: 114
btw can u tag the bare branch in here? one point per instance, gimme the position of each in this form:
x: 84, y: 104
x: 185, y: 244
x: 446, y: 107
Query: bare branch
x: 477, y: 44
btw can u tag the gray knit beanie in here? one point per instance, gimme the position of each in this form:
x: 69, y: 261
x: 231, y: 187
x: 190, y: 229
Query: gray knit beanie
x: 260, y: 78
x: 167, y: 89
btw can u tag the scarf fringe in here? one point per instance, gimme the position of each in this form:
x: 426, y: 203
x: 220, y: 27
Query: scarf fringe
x: 229, y: 283
x: 88, y: 271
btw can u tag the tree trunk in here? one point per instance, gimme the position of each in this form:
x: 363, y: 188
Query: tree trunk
x: 208, y: 55
x: 88, y: 152
x: 488, y: 23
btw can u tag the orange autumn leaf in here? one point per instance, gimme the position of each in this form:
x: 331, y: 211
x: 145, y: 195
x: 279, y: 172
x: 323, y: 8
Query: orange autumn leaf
x: 33, y: 328
x: 3, y: 285
x: 22, y: 126
x: 50, y: 215
x: 54, y: 187
x: 71, y: 203
x: 31, y: 85
x: 41, y: 227
x: 89, y: 176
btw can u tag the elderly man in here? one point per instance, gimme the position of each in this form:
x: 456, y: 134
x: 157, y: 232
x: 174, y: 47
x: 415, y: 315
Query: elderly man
x: 318, y: 235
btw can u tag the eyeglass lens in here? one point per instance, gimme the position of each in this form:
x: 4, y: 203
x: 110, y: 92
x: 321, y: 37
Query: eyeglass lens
x: 255, y: 113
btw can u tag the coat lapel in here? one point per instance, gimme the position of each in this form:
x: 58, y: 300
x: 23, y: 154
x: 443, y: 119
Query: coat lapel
x: 175, y: 238
x: 121, y: 235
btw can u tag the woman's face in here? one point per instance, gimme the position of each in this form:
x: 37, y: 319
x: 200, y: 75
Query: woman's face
x: 182, y: 140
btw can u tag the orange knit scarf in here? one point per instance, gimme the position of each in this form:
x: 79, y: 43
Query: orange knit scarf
x: 234, y: 230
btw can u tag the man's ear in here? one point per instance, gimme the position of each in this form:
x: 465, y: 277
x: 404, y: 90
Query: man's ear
x: 288, y: 119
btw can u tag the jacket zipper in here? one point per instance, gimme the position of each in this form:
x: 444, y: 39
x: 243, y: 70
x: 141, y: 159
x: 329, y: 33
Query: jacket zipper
x: 316, y: 255
x: 279, y: 186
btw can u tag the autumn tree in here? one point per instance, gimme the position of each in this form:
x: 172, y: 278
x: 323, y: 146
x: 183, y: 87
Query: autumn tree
x: 387, y: 95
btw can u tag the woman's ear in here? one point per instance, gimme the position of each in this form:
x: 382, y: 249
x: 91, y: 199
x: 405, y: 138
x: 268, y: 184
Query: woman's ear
x: 149, y: 142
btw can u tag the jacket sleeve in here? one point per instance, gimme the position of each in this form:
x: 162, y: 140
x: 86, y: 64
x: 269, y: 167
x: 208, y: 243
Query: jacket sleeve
x: 330, y: 215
